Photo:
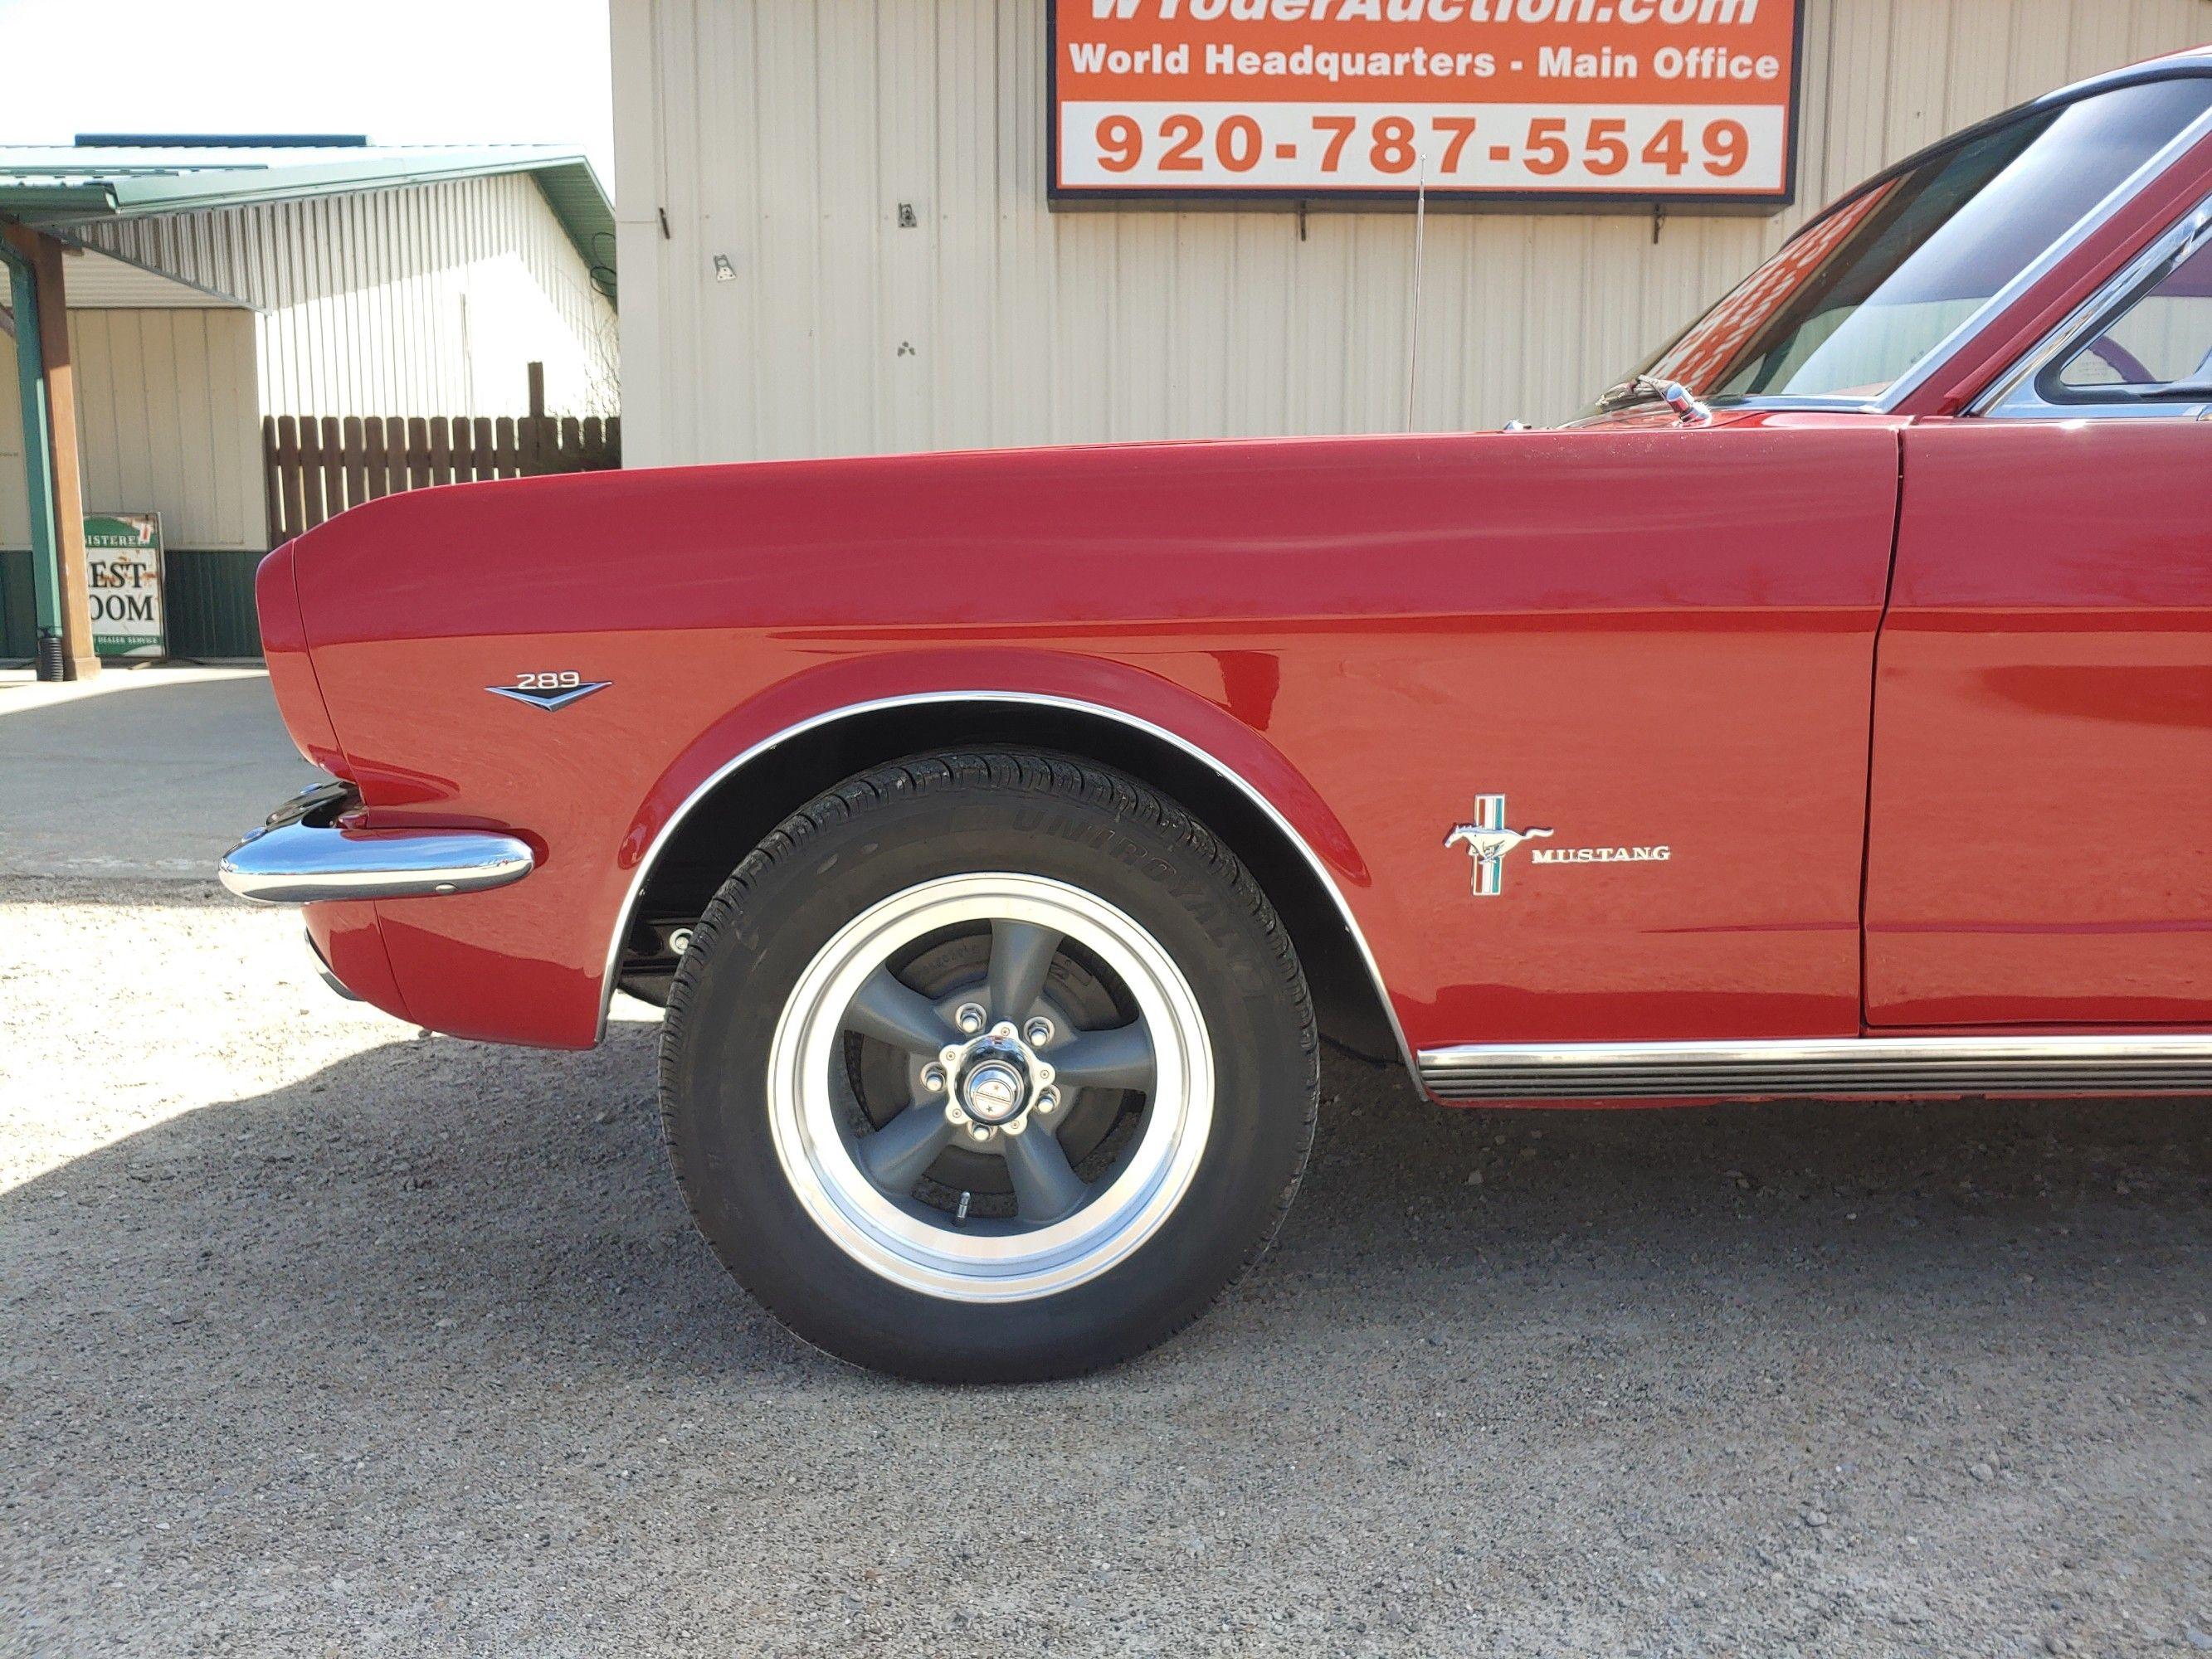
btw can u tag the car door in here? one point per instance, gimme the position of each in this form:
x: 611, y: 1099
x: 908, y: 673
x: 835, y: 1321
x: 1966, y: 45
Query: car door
x: 2039, y: 848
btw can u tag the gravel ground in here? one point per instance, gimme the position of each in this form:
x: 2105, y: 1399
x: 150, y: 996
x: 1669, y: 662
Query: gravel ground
x: 324, y: 1336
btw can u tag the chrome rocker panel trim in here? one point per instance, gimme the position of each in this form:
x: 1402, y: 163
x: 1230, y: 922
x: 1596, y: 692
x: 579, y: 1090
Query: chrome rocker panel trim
x: 830, y: 716
x: 2120, y: 1063
x: 301, y: 863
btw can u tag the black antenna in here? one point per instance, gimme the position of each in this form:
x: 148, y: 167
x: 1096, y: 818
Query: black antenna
x: 1420, y: 239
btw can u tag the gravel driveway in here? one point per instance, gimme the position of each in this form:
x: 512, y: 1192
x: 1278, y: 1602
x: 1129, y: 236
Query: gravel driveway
x: 323, y: 1336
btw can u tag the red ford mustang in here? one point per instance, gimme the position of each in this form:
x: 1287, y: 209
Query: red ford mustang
x: 1828, y: 712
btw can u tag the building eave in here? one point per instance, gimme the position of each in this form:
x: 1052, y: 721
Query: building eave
x: 167, y: 183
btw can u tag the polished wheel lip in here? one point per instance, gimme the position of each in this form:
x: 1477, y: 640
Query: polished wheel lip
x: 2029, y: 1063
x: 943, y: 1261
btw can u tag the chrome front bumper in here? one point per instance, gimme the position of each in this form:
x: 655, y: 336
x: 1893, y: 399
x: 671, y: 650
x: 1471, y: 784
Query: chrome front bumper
x: 302, y: 855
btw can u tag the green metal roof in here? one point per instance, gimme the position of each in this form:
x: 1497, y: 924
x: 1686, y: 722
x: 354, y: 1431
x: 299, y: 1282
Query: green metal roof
x: 76, y: 183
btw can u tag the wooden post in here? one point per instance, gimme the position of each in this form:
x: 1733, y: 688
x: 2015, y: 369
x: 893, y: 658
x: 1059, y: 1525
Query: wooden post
x: 334, y: 495
x: 311, y: 472
x: 81, y: 661
x: 272, y: 480
x: 291, y: 470
x: 43, y: 254
x: 356, y: 462
x: 418, y: 453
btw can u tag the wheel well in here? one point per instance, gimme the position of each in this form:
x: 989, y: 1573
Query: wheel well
x: 739, y: 810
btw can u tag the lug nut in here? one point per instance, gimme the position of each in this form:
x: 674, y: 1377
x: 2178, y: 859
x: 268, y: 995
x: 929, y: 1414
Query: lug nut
x: 980, y: 1132
x: 933, y: 1079
x: 970, y: 1019
x: 1040, y: 1030
x: 1048, y: 1102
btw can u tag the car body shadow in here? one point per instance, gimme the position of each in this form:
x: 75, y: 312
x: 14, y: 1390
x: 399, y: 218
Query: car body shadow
x: 470, y: 1203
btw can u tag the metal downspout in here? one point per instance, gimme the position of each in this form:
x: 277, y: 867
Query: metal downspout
x: 38, y: 463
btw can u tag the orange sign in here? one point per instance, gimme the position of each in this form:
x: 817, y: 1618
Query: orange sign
x: 1647, y: 100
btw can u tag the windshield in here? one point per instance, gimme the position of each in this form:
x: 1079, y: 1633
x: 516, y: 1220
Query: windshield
x: 1865, y: 293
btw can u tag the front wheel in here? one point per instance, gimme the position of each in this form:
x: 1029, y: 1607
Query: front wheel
x: 988, y: 1068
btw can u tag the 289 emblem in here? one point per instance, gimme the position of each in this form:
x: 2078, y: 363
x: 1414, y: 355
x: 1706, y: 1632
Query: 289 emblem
x: 552, y: 689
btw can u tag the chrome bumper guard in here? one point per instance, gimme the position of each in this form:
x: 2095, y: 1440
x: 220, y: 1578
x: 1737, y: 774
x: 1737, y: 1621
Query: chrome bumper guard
x: 302, y: 855
x: 323, y: 970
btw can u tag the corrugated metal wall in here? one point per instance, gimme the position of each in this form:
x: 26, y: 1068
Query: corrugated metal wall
x: 167, y: 419
x: 97, y: 282
x: 782, y: 135
x: 427, y: 300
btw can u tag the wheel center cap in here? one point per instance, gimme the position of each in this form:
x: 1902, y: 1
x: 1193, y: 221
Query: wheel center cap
x: 994, y: 1091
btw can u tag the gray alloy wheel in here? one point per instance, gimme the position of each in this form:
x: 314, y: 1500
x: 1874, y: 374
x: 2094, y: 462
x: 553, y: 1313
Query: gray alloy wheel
x: 994, y: 1068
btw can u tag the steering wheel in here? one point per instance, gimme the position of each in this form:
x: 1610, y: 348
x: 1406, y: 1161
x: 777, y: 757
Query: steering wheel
x: 2122, y: 361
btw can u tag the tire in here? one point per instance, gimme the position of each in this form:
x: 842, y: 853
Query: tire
x: 1158, y: 1015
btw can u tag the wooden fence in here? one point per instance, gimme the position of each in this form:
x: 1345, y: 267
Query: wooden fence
x: 316, y: 468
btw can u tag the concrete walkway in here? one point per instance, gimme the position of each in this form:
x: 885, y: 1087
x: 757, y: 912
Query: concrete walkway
x: 142, y: 772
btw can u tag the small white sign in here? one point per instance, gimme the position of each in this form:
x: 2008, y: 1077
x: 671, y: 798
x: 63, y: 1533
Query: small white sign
x: 122, y: 575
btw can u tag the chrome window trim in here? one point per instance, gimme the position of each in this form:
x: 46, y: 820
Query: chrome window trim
x: 2085, y: 227
x: 2129, y: 1062
x: 2180, y: 66
x: 924, y: 699
x: 1925, y: 367
x: 2012, y: 396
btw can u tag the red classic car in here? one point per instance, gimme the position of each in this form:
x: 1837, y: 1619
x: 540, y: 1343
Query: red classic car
x: 1828, y: 712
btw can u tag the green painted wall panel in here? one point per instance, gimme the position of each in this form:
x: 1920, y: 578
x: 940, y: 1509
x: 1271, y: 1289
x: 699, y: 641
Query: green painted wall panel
x: 19, y: 616
x: 210, y: 597
x: 211, y: 600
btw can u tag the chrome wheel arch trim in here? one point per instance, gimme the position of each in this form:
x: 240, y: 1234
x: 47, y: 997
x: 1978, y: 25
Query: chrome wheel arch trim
x: 2125, y: 1062
x: 1027, y: 699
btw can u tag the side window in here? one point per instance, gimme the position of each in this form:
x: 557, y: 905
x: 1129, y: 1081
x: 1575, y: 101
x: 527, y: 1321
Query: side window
x: 2159, y: 345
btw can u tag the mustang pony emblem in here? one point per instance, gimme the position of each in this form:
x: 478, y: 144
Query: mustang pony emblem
x: 1488, y: 841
